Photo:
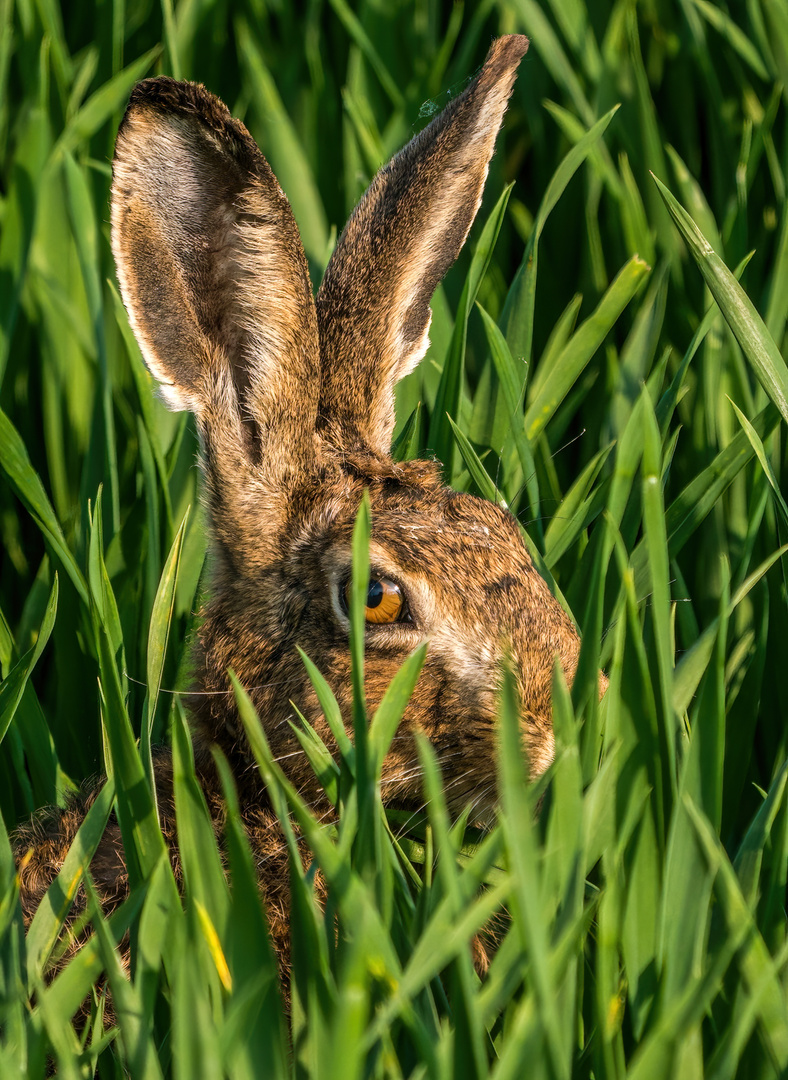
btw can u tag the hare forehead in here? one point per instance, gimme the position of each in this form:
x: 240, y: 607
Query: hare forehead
x: 423, y: 540
x: 472, y: 541
x: 439, y: 535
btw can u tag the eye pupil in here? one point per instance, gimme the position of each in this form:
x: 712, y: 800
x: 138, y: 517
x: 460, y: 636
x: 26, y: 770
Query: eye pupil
x: 375, y: 594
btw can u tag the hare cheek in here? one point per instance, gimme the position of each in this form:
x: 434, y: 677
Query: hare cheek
x: 466, y: 656
x: 541, y: 752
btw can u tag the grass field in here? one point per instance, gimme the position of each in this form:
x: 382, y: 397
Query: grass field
x: 606, y: 359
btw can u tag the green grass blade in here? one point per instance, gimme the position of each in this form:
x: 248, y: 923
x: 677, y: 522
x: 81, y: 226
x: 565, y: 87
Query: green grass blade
x: 476, y: 468
x: 696, y: 500
x: 749, y: 857
x: 753, y: 960
x: 48, y: 921
x: 202, y: 868
x: 581, y: 347
x: 747, y: 325
x: 283, y: 147
x: 104, y: 104
x: 13, y: 685
x: 760, y: 453
x: 389, y: 713
x: 158, y: 635
x: 28, y: 487
x: 513, y: 383
x: 357, y: 33
x: 450, y: 388
x: 527, y: 900
x: 141, y: 1054
x: 256, y: 1020
x: 518, y: 315
x: 657, y: 545
x: 331, y: 711
x: 690, y: 668
x: 733, y: 34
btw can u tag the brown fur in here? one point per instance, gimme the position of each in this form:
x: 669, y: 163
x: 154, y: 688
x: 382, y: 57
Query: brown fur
x: 294, y: 404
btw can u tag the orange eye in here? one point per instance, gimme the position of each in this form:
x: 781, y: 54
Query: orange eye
x: 385, y: 602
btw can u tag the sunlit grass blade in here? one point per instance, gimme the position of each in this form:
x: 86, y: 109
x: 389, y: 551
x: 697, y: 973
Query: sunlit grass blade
x: 526, y: 900
x: 656, y: 543
x: 669, y: 399
x: 582, y: 346
x: 634, y: 220
x: 331, y: 711
x: 357, y: 601
x: 513, y: 385
x: 147, y: 403
x: 71, y: 986
x: 351, y: 896
x: 760, y: 453
x: 406, y: 444
x: 257, y: 1005
x: 199, y: 852
x: 476, y: 468
x: 158, y: 635
x: 48, y: 921
x: 195, y: 1037
x: 747, y: 325
x: 518, y: 315
x: 317, y: 753
x: 450, y: 388
x: 142, y: 838
x: 138, y: 1044
x: 577, y: 510
x: 654, y: 1059
x: 564, y: 880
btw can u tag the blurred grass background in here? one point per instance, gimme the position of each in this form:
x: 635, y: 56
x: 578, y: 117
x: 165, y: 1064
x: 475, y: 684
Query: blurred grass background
x: 646, y: 931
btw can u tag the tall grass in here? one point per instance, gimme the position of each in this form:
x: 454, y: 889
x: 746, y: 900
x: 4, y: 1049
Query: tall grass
x: 607, y: 359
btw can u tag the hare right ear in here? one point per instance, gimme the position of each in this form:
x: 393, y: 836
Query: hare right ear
x: 215, y: 280
x: 374, y: 303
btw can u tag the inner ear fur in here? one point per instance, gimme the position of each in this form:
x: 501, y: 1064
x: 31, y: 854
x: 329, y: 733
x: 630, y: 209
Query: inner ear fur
x: 373, y: 305
x: 214, y: 277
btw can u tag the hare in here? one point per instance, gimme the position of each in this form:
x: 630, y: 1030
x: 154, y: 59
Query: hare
x: 293, y: 398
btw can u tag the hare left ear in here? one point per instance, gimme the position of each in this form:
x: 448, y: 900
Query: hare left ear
x: 214, y: 277
x: 373, y: 305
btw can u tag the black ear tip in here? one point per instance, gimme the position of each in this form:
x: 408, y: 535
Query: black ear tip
x: 161, y: 90
x: 166, y: 95
x: 163, y: 98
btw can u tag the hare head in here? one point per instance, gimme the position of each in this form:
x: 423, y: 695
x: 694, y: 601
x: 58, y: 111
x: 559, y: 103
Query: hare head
x: 293, y: 398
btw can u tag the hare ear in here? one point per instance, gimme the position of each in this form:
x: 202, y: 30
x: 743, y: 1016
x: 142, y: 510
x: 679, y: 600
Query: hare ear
x: 373, y: 305
x: 214, y: 278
